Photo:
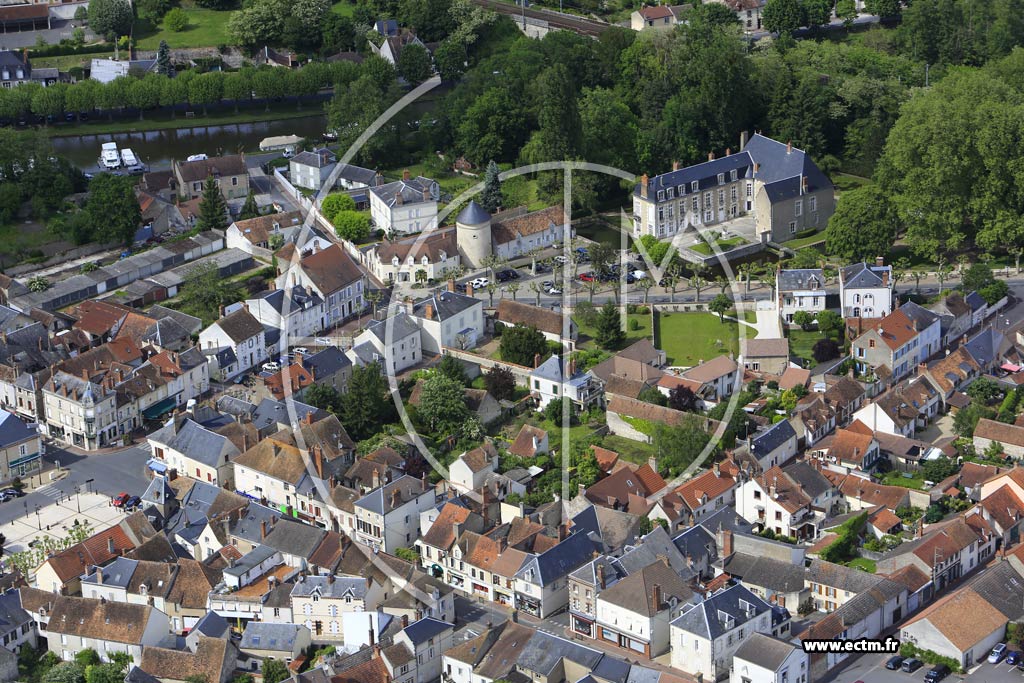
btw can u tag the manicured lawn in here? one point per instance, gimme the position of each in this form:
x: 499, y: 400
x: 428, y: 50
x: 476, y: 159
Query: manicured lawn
x: 806, y: 241
x: 643, y: 331
x: 750, y: 316
x: 845, y: 181
x: 863, y: 563
x: 67, y: 62
x: 801, y: 343
x: 206, y: 28
x: 449, y: 182
x: 723, y: 245
x: 633, y: 451
x: 690, y: 338
x: 897, y: 479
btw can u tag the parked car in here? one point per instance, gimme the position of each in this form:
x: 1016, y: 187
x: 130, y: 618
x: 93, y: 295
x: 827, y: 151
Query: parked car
x: 937, y: 673
x: 480, y: 283
x: 507, y: 274
x: 552, y: 290
x: 1013, y: 657
x: 12, y: 492
x: 561, y: 259
x: 132, y: 503
x: 300, y: 349
x: 911, y: 665
x: 997, y: 654
x: 586, y: 277
x: 272, y: 366
x: 121, y: 498
x: 894, y: 663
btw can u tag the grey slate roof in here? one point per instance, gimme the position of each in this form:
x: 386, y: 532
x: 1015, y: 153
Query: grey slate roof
x: 922, y: 316
x: 811, y: 480
x: 765, y: 651
x: 473, y: 214
x: 862, y: 275
x: 986, y: 346
x: 265, y: 636
x: 294, y: 538
x: 800, y: 279
x: 298, y: 298
x: 411, y: 191
x: 158, y: 492
x: 975, y: 301
x: 212, y: 624
x: 446, y: 304
x: 326, y: 363
x: 11, y: 613
x: 697, y: 542
x: 1003, y: 588
x: 379, y: 500
x: 544, y: 652
x: 772, y: 438
x: 841, y: 577
x: 270, y: 412
x: 766, y: 572
x: 13, y: 430
x: 339, y: 588
x: 425, y: 629
x: 194, y: 441
x: 250, y: 560
x: 401, y: 327
x: 707, y: 618
x: 118, y: 573
x: 558, y: 561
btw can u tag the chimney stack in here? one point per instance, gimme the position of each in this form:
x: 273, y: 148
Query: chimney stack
x: 376, y: 478
x: 656, y: 598
x: 743, y: 139
x: 643, y: 185
x: 263, y: 529
x: 675, y: 165
x: 789, y: 147
x: 711, y: 156
x: 653, y: 462
x: 406, y: 175
x: 727, y: 547
x: 600, y: 576
x: 428, y: 311
x: 451, y: 284
x: 536, y: 360
x: 99, y: 575
x: 469, y: 289
x: 110, y: 546
x: 728, y: 151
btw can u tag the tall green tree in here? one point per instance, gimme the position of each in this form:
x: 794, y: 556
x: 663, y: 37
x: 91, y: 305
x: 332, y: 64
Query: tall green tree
x: 491, y: 197
x: 520, y: 344
x: 112, y: 207
x: 414, y: 63
x: 863, y: 226
x: 367, y: 404
x: 783, y: 16
x: 274, y: 671
x: 442, y: 407
x: 720, y: 304
x: 609, y: 334
x: 110, y: 18
x: 213, y: 209
x: 249, y: 208
x: 163, y: 59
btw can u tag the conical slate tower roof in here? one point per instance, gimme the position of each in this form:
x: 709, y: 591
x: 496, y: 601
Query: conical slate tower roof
x: 473, y: 214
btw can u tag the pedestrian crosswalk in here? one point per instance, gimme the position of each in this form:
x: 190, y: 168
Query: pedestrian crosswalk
x: 51, y: 491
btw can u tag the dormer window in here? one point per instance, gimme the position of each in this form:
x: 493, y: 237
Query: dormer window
x: 693, y: 186
x: 732, y: 175
x: 661, y: 195
x: 671, y: 193
x: 721, y: 178
x: 682, y: 190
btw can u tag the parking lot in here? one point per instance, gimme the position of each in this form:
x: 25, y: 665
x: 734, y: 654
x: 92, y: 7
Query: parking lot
x: 871, y: 669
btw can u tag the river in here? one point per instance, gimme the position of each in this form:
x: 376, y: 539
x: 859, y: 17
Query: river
x: 157, y: 148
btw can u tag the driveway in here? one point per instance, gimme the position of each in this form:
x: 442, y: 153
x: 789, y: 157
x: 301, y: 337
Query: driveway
x: 768, y: 325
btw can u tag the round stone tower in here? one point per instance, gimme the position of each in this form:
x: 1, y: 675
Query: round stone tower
x: 473, y: 234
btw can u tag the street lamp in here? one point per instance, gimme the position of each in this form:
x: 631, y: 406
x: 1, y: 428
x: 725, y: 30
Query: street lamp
x: 78, y: 501
x: 39, y: 522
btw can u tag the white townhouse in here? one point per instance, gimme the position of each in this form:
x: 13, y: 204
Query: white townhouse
x: 426, y: 640
x: 333, y: 276
x: 105, y: 626
x: 388, y: 517
x: 471, y: 469
x: 553, y: 380
x: 405, y: 206
x: 801, y: 289
x: 866, y: 291
x: 297, y: 312
x: 778, y: 502
x: 393, y: 342
x: 706, y: 635
x: 430, y: 257
x: 80, y: 412
x: 193, y: 450
x: 542, y: 583
x: 764, y: 659
x: 320, y: 602
x: 449, y: 319
x: 234, y: 344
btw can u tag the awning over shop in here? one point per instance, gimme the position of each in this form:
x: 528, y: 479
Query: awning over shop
x: 160, y: 408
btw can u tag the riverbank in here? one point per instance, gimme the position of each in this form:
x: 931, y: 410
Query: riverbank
x: 162, y: 121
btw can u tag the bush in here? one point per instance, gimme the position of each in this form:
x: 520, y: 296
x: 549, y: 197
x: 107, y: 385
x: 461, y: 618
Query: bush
x: 929, y: 657
x: 407, y: 554
x: 634, y: 324
x: 844, y: 548
x: 176, y: 20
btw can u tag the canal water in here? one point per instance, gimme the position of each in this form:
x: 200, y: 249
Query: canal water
x: 157, y: 148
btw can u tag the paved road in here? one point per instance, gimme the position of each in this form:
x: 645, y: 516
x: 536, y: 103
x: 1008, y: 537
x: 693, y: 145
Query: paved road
x: 110, y: 474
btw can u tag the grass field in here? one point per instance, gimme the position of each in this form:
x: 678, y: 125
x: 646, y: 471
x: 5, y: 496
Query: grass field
x: 801, y: 343
x: 806, y: 241
x: 643, y: 331
x: 723, y: 245
x: 897, y: 479
x: 845, y: 181
x: 206, y: 28
x: 633, y: 451
x: 67, y: 62
x: 689, y: 338
x: 863, y: 563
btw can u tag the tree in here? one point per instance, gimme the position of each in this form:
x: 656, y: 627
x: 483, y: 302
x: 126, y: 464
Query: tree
x: 86, y: 657
x: 258, y: 22
x: 556, y: 409
x: 491, y: 197
x: 367, y: 404
x: 144, y: 93
x: 609, y: 335
x: 154, y: 10
x: 885, y: 9
x: 938, y: 469
x: 48, y: 101
x: 520, y: 344
x: 442, y: 407
x: 113, y: 208
x: 847, y: 11
x: 324, y: 397
x: 204, y: 291
x: 454, y: 370
x: 110, y: 18
x: 863, y: 225
x: 176, y: 20
x: 104, y: 673
x: 783, y: 16
x: 335, y: 203
x: 682, y: 398
x: 249, y: 208
x: 817, y: 13
x: 500, y: 383
x: 978, y: 276
x: 206, y: 89
x: 652, y: 395
x: 213, y: 210
x: 414, y: 63
x: 352, y: 225
x: 720, y: 304
x: 274, y: 671
x: 678, y: 446
x: 825, y: 350
x: 804, y: 319
x: 65, y: 672
x: 450, y: 60
x: 830, y: 323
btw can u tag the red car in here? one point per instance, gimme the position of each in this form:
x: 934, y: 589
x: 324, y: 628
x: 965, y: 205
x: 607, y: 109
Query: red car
x: 120, y: 499
x: 587, y: 277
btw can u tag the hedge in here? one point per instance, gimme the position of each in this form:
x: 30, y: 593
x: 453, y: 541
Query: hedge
x: 58, y: 50
x: 929, y: 657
